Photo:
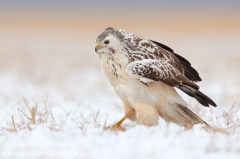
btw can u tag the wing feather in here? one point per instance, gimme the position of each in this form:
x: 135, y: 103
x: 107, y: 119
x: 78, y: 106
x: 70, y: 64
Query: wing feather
x: 158, y: 70
x: 189, y: 71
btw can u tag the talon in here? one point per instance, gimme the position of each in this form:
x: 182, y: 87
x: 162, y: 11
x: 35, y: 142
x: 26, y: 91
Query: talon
x: 116, y: 126
x: 121, y: 128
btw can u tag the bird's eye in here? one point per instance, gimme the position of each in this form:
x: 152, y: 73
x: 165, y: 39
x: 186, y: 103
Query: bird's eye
x: 106, y: 42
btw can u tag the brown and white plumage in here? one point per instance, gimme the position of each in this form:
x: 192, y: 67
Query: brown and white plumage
x: 144, y: 73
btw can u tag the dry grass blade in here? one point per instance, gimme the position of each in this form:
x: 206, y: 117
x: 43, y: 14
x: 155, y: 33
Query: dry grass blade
x: 67, y: 113
x: 105, y: 123
x: 96, y: 119
x: 32, y: 111
x: 13, y: 123
x: 81, y: 124
x: 52, y: 116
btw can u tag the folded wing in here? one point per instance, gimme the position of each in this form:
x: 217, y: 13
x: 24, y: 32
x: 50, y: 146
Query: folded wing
x: 189, y: 71
x: 171, y: 69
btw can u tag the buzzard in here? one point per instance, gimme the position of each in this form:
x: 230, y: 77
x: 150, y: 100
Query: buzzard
x: 144, y: 74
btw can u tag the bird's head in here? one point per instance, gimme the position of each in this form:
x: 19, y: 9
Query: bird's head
x: 108, y: 41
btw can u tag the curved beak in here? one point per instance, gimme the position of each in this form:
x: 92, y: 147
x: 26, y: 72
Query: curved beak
x: 97, y: 47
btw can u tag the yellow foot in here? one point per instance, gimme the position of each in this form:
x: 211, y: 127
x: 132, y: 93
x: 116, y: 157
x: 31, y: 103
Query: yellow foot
x: 116, y: 126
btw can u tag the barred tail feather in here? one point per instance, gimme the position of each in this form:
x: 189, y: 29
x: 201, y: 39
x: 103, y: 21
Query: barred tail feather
x: 189, y: 114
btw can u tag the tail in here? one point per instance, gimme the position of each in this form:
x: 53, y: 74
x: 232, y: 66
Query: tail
x: 199, y: 96
x: 189, y: 114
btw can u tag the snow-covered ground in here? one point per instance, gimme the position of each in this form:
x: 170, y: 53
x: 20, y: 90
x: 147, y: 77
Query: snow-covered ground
x: 60, y: 83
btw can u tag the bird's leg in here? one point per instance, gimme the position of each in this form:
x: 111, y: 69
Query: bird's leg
x: 117, y: 126
x: 128, y: 114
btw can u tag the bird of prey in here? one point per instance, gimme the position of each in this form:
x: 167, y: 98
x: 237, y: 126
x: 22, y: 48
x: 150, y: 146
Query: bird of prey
x: 144, y: 74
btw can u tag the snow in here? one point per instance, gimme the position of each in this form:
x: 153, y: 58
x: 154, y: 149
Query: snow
x: 63, y: 134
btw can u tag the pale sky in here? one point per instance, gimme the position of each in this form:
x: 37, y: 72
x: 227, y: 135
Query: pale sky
x: 127, y: 5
